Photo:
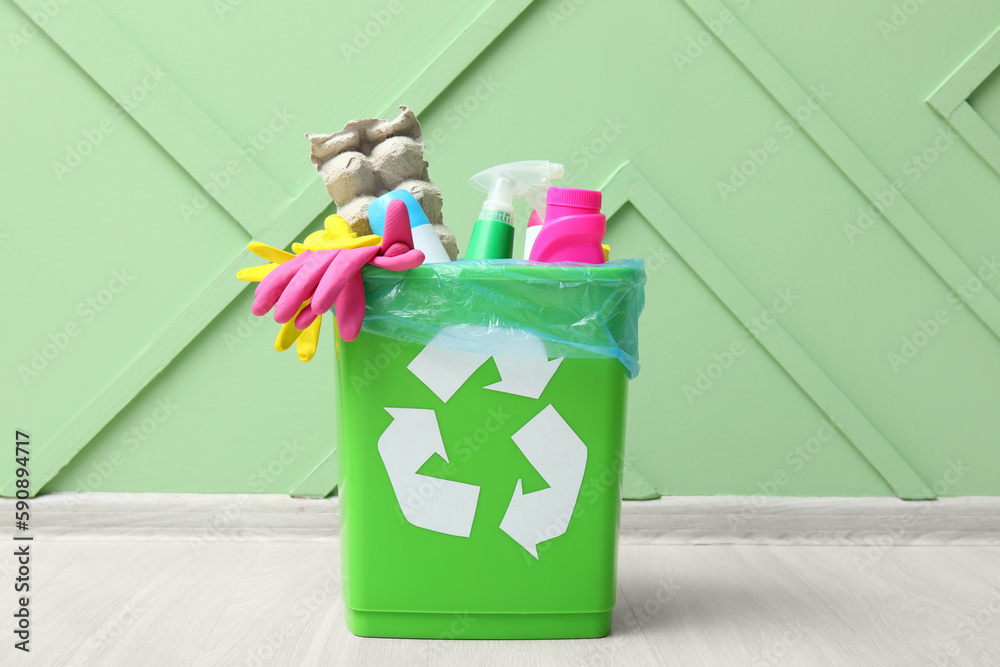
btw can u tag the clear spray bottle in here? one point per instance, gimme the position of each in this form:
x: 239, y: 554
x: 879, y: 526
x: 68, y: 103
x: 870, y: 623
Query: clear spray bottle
x: 493, y: 234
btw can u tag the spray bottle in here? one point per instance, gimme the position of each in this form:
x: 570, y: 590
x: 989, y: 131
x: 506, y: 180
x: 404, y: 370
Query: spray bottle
x: 493, y: 234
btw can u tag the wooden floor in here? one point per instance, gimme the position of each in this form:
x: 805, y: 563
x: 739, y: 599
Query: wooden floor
x: 135, y: 602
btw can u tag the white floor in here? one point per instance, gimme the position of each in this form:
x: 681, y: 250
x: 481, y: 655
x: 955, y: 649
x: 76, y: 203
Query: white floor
x: 141, y: 602
x: 225, y: 598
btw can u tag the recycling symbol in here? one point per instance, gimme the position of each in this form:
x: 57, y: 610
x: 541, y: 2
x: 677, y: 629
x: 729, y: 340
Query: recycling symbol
x: 546, y: 440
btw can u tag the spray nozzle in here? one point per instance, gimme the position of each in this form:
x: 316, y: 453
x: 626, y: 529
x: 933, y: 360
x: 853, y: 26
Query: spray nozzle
x: 529, y: 180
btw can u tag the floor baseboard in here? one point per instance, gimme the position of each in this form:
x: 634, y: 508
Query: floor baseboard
x: 811, y: 521
x: 668, y: 520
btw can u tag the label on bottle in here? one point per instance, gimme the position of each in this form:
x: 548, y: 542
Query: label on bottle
x: 502, y: 216
x: 426, y: 240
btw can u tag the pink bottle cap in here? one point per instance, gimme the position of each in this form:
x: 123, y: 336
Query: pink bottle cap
x: 589, y: 201
x: 534, y: 220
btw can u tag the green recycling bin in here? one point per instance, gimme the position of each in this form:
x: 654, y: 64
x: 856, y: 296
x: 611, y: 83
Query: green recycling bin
x: 481, y: 421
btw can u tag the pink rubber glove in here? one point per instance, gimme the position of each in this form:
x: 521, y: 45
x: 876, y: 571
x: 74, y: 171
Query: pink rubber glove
x: 347, y: 289
x: 397, y: 252
x: 302, y: 285
x: 271, y: 287
x: 332, y: 278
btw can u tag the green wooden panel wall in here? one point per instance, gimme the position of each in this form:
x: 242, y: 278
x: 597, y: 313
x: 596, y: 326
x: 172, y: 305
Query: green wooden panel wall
x: 814, y: 188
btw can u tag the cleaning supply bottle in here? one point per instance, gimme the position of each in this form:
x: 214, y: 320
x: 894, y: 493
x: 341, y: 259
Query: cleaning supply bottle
x: 573, y: 228
x: 493, y: 234
x: 425, y: 238
x: 531, y: 233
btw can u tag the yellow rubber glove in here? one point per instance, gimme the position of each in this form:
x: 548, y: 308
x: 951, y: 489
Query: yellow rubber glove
x: 337, y: 234
x: 305, y: 340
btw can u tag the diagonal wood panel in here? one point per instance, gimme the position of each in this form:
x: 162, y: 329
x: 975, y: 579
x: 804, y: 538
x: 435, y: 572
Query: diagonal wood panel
x: 950, y: 100
x: 852, y: 161
x: 629, y: 185
x: 200, y: 146
x: 185, y: 131
x: 458, y: 55
x: 977, y: 133
x: 970, y: 75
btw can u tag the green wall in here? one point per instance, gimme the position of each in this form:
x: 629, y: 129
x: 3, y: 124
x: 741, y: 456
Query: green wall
x: 814, y: 188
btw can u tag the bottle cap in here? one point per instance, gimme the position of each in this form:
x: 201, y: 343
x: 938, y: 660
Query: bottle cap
x: 377, y: 210
x: 589, y: 200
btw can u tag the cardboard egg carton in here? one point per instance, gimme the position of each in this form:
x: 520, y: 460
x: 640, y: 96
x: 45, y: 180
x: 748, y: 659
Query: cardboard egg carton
x: 370, y: 157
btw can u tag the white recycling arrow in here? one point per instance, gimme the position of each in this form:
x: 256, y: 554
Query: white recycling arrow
x: 524, y: 376
x: 427, y: 502
x: 558, y: 454
x: 524, y: 365
x: 443, y: 370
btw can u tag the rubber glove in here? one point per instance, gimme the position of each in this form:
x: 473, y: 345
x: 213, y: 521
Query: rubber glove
x: 337, y: 234
x: 342, y: 286
x: 304, y: 330
x: 332, y: 278
x: 305, y: 338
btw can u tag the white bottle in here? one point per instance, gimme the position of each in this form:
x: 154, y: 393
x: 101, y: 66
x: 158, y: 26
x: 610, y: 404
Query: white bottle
x: 531, y: 233
x: 425, y: 238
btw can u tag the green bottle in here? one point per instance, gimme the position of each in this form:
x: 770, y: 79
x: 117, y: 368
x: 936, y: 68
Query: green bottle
x: 492, y: 237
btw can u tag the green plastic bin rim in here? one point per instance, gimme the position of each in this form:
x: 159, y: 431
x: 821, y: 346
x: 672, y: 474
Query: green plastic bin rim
x: 577, y: 310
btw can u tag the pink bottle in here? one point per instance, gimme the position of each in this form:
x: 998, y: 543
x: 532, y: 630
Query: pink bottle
x: 573, y: 229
